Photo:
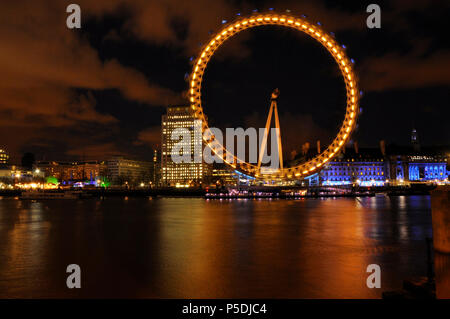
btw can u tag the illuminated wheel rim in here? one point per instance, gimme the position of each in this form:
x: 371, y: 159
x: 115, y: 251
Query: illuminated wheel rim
x: 345, y: 65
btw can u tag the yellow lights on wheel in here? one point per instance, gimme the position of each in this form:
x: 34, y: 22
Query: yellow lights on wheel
x: 318, y: 34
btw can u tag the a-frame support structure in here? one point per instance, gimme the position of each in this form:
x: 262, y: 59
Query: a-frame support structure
x: 273, y: 109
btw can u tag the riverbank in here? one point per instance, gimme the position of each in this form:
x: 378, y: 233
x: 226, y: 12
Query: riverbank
x: 243, y: 192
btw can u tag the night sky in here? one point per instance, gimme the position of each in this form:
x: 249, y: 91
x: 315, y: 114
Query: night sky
x: 101, y: 90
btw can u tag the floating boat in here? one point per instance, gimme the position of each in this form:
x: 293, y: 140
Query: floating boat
x: 51, y: 195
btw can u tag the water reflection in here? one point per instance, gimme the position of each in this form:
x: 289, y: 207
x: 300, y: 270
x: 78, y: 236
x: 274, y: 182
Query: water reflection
x: 196, y: 248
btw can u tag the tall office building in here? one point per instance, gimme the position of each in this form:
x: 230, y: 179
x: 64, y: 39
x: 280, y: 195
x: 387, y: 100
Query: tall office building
x: 181, y: 173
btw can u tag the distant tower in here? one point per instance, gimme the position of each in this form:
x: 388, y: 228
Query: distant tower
x: 415, y: 140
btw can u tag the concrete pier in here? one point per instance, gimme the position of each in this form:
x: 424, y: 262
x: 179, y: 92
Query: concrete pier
x: 440, y: 210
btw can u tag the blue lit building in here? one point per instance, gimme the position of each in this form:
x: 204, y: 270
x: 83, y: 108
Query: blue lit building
x: 427, y: 168
x: 377, y: 167
x: 365, y: 168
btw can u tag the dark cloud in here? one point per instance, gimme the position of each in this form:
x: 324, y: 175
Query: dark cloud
x: 44, y: 65
x: 397, y: 71
x: 49, y: 72
x: 150, y: 136
x: 96, y: 151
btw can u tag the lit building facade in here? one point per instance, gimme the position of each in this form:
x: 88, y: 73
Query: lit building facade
x: 72, y: 171
x: 185, y: 173
x: 427, y: 168
x: 220, y: 174
x: 356, y: 168
x: 369, y: 167
x: 130, y: 172
x: 4, y: 158
x: 16, y: 175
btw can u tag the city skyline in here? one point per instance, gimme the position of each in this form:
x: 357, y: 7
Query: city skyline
x: 16, y: 160
x: 366, y: 167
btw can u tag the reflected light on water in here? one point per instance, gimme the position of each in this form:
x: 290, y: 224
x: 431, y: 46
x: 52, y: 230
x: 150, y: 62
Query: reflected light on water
x: 196, y: 248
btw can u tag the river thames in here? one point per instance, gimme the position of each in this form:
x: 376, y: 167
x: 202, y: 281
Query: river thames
x: 197, y: 248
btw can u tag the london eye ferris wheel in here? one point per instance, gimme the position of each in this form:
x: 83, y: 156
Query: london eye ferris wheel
x: 316, y: 32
